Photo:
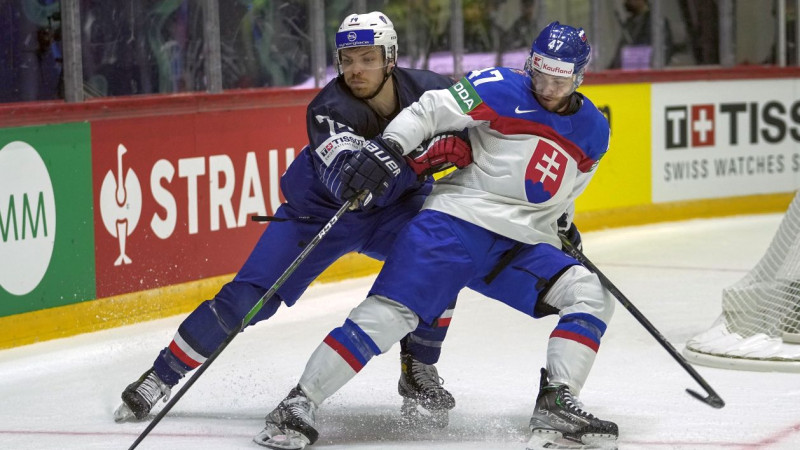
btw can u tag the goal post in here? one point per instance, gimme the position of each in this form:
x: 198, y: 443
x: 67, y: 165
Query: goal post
x: 759, y: 328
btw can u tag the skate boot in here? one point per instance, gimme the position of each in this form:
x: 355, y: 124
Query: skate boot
x: 425, y: 402
x: 140, y: 396
x: 290, y: 426
x: 558, y: 422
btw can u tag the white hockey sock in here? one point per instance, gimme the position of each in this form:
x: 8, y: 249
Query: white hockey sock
x: 370, y: 329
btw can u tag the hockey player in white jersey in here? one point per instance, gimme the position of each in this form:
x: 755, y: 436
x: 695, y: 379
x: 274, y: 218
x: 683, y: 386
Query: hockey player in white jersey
x: 492, y: 227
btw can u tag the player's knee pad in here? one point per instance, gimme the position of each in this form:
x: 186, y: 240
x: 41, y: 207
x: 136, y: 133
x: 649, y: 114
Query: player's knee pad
x: 236, y: 299
x: 578, y: 290
x: 385, y: 321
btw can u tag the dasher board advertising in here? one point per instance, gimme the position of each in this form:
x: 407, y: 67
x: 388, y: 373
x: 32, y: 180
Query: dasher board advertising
x: 714, y: 139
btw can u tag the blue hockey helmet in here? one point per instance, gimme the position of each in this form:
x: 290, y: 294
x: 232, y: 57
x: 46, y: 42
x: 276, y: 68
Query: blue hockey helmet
x: 560, y: 51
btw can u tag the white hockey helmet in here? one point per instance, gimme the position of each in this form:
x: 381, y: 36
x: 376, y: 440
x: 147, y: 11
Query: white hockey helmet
x: 366, y: 30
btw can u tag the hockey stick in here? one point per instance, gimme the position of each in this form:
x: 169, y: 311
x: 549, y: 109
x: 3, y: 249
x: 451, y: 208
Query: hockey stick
x: 713, y: 399
x: 256, y: 308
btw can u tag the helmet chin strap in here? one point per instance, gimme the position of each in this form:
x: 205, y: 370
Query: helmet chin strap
x: 386, y: 76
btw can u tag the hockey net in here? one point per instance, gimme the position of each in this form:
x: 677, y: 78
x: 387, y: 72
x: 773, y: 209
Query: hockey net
x: 759, y: 328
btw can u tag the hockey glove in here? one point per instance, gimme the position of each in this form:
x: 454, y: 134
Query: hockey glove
x: 371, y: 171
x: 443, y: 151
x: 571, y: 232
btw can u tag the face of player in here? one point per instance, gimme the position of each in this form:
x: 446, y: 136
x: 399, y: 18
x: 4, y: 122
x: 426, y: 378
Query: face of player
x: 363, y: 69
x: 551, y: 91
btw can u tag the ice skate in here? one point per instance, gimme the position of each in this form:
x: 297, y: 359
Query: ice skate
x: 290, y: 426
x: 140, y: 396
x: 425, y: 402
x: 557, y: 422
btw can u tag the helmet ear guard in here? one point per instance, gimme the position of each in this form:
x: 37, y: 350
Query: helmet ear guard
x: 367, y: 30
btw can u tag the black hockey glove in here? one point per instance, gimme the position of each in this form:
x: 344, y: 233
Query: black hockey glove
x: 571, y: 232
x: 372, y: 170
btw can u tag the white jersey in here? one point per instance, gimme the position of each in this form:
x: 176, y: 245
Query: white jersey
x: 529, y: 165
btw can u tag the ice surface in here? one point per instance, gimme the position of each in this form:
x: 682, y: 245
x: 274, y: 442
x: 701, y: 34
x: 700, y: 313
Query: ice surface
x: 61, y: 394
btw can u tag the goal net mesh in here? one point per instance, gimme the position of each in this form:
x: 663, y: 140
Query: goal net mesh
x: 759, y: 328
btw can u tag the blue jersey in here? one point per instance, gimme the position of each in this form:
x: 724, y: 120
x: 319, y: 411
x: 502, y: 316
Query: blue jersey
x: 338, y: 124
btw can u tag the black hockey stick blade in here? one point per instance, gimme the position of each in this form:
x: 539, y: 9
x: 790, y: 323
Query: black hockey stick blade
x: 713, y: 399
x: 348, y: 205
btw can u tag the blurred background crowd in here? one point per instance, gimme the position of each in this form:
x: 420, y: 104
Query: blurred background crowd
x: 80, y: 49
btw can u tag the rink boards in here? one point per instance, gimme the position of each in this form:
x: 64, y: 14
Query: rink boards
x: 123, y: 210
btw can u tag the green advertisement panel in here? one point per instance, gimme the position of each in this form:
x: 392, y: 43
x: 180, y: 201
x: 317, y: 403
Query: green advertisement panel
x: 46, y: 222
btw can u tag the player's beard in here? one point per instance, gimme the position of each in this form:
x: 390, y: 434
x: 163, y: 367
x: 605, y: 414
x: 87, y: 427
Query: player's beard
x: 362, y: 90
x: 553, y: 104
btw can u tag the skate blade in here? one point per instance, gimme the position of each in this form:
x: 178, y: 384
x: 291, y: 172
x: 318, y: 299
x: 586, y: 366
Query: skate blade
x: 551, y: 439
x: 288, y: 440
x: 124, y: 414
x: 269, y: 431
x: 412, y: 415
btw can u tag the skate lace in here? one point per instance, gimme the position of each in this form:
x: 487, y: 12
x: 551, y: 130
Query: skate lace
x: 152, y: 389
x: 301, y: 407
x: 571, y: 404
x: 426, y: 376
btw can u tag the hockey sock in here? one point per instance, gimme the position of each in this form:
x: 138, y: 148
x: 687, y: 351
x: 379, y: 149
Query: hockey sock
x: 207, y: 327
x: 572, y: 348
x: 424, y: 344
x: 372, y: 328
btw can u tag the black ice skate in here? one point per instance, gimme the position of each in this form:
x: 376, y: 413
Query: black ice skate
x: 140, y: 396
x: 290, y: 426
x: 425, y: 401
x: 557, y: 422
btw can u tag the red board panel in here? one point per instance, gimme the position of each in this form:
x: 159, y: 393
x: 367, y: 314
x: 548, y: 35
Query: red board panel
x: 173, y: 193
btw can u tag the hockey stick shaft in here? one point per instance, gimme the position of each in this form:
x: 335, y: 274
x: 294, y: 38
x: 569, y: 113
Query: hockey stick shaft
x: 712, y: 399
x: 253, y: 311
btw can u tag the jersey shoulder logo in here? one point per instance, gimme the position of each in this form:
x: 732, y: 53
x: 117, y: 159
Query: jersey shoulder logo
x: 465, y: 95
x: 331, y: 147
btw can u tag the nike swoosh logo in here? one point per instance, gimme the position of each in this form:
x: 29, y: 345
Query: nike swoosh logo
x: 523, y: 111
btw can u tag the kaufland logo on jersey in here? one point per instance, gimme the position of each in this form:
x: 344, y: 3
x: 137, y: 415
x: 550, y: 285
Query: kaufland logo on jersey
x: 731, y: 124
x: 552, y: 66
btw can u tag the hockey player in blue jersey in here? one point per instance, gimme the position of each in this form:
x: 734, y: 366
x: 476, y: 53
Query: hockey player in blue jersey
x: 350, y: 109
x: 492, y: 227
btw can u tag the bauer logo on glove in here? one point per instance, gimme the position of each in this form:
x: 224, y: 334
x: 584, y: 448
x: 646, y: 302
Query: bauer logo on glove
x: 443, y: 152
x: 371, y: 169
x: 383, y: 156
